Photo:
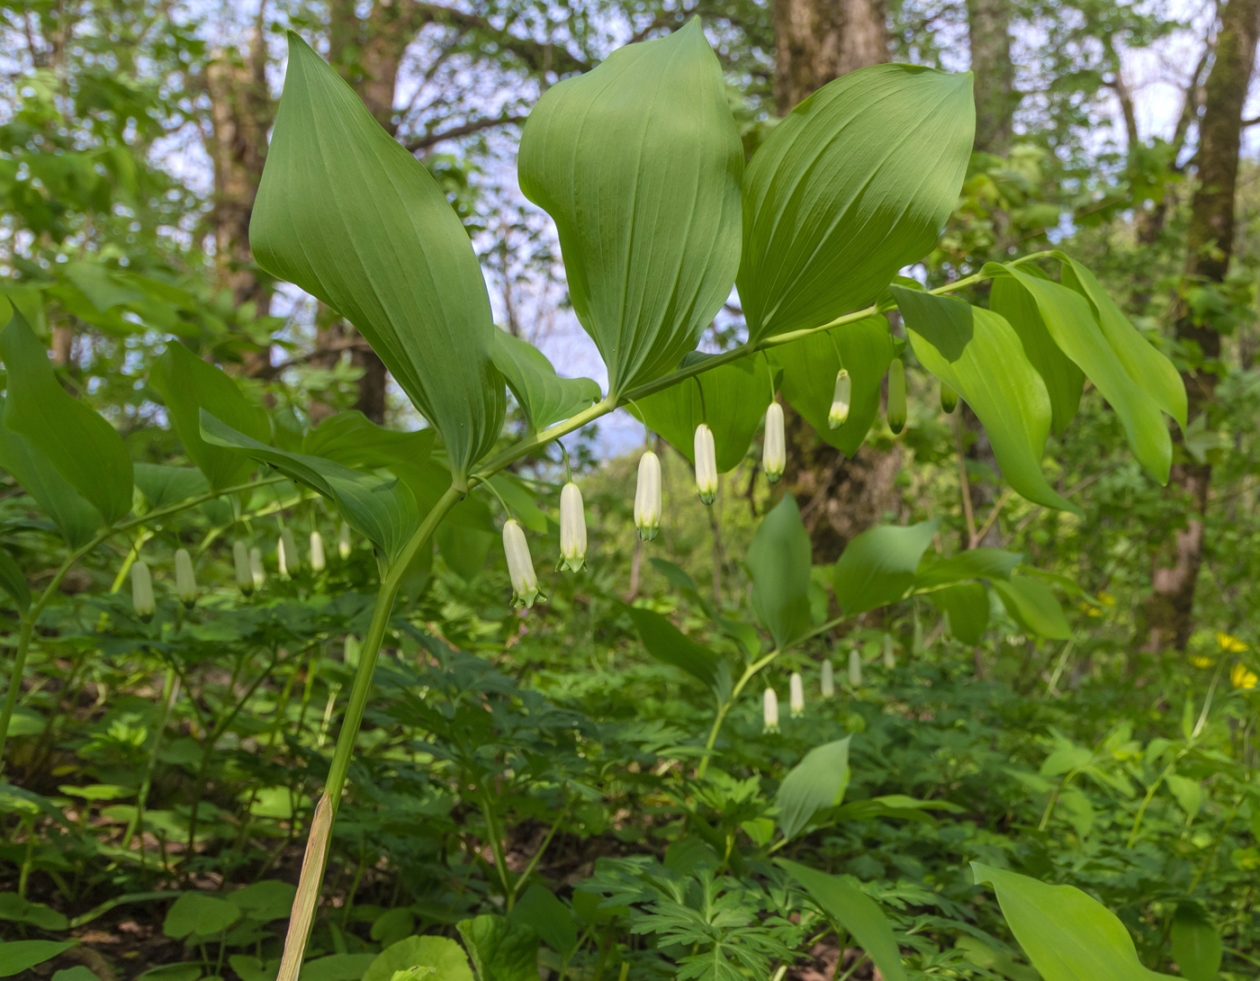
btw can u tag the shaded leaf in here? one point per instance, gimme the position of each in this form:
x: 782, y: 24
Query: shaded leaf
x: 1196, y: 944
x: 967, y: 606
x: 543, y: 396
x: 13, y: 581
x: 196, y: 914
x: 21, y: 955
x: 542, y: 912
x: 816, y: 782
x: 1033, y: 606
x: 778, y: 561
x: 162, y: 485
x: 878, y: 566
x: 499, y: 950
x: 667, y: 643
x: 976, y: 563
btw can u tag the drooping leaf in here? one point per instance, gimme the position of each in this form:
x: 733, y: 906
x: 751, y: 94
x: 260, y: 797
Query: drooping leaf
x: 1066, y: 934
x: 855, y: 183
x: 500, y: 950
x: 1070, y: 321
x: 778, y: 562
x: 17, y: 956
x: 353, y: 440
x: 1063, y: 379
x: 1196, y: 944
x: 667, y: 643
x: 732, y: 399
x: 381, y: 509
x: 447, y: 960
x: 856, y: 912
x: 977, y: 563
x: 967, y: 606
x: 639, y: 163
x: 542, y: 912
x: 86, y: 450
x: 74, y: 517
x: 1033, y: 606
x: 979, y: 355
x: 13, y: 581
x: 878, y: 566
x: 162, y: 485
x: 543, y: 396
x: 187, y: 385
x: 816, y: 782
x: 346, y: 213
x: 864, y: 349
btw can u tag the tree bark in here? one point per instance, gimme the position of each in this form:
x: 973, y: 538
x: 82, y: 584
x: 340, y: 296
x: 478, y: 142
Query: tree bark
x: 1168, y: 615
x: 989, y: 33
x: 819, y: 40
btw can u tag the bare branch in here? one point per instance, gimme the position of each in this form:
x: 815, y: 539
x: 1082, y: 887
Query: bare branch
x: 426, y: 140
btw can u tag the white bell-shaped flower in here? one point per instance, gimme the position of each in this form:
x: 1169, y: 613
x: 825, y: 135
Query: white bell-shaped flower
x: 256, y: 568
x: 647, y: 497
x: 343, y: 541
x: 897, y: 395
x: 520, y: 564
x: 890, y: 657
x: 840, y: 400
x: 572, y: 528
x: 240, y: 559
x: 796, y: 695
x: 855, y: 668
x: 142, y: 590
x: 185, y: 578
x: 706, y: 464
x: 828, y: 680
x: 770, y: 711
x: 317, y: 552
x: 774, y: 444
x: 287, y: 554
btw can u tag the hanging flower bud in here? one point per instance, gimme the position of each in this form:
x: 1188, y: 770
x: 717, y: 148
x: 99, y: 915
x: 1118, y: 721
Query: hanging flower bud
x: 796, y: 695
x: 890, y: 658
x: 839, y: 413
x: 572, y: 528
x: 897, y: 395
x: 256, y: 567
x: 774, y: 444
x: 317, y: 552
x: 828, y: 680
x: 287, y: 553
x: 185, y: 579
x: 770, y: 711
x: 343, y: 541
x: 142, y: 590
x: 949, y: 399
x: 520, y: 565
x: 855, y: 668
x: 244, y: 577
x: 706, y: 464
x: 350, y: 654
x: 647, y: 497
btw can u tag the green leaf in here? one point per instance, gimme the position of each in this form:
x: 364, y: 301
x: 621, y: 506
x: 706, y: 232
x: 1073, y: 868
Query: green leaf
x: 1033, y: 606
x: 264, y: 901
x: 1063, y: 379
x: 639, y: 163
x: 445, y: 957
x: 731, y: 398
x: 76, y: 973
x: 542, y: 912
x: 499, y: 950
x: 967, y: 606
x: 336, y: 967
x: 878, y: 566
x: 346, y: 213
x: 856, y: 912
x: 855, y: 183
x: 382, y: 510
x: 466, y: 536
x: 778, y: 560
x: 1070, y: 321
x: 86, y: 450
x: 810, y: 366
x: 1146, y: 365
x: 187, y: 385
x: 13, y: 580
x: 253, y: 968
x: 15, y: 909
x: 979, y: 355
x: 196, y: 914
x: 816, y: 782
x: 543, y: 396
x: 1066, y: 934
x: 74, y: 517
x: 668, y: 644
x: 21, y: 955
x: 977, y: 563
x: 162, y: 485
x: 1196, y: 944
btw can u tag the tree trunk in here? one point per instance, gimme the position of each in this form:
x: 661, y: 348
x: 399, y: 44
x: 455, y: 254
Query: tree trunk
x: 819, y: 40
x: 1168, y: 616
x: 989, y: 32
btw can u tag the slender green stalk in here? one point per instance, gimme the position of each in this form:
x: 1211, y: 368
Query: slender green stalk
x: 725, y: 708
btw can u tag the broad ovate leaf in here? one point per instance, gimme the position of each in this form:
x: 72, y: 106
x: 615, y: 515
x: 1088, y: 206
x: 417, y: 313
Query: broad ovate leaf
x: 1032, y: 605
x: 967, y: 606
x: 779, y: 563
x: 639, y: 163
x: 543, y: 396
x: 350, y: 216
x: 668, y: 644
x: 814, y: 784
x: 855, y: 183
x: 979, y: 355
x: 878, y: 566
x: 85, y: 449
x: 810, y: 365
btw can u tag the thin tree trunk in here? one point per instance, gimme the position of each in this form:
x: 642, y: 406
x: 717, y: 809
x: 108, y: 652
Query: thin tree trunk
x: 989, y: 33
x: 819, y: 40
x: 1168, y: 615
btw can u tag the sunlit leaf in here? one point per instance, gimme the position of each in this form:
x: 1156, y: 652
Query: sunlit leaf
x: 543, y: 396
x: 816, y: 782
x: 878, y: 566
